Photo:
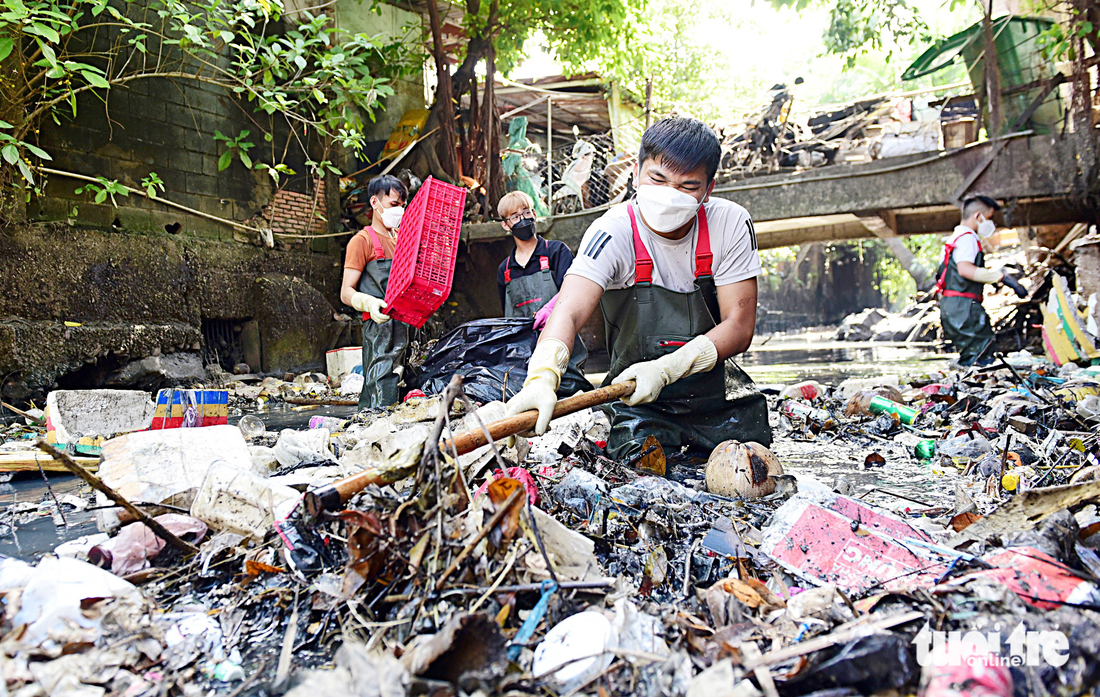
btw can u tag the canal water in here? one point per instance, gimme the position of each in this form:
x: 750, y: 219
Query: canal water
x: 771, y: 361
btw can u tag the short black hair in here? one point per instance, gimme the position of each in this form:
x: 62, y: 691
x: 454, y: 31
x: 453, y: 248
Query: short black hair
x: 972, y: 203
x: 387, y: 184
x: 682, y: 143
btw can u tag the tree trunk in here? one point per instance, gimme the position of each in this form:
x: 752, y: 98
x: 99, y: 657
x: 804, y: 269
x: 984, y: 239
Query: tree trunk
x: 444, y: 99
x: 495, y: 175
x: 473, y: 145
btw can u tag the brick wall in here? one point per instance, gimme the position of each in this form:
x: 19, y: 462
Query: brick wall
x: 291, y: 212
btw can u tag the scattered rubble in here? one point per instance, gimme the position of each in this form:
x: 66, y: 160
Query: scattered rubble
x: 892, y: 526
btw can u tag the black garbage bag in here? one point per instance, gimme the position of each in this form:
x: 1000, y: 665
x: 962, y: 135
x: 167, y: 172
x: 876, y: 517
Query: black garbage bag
x: 491, y: 354
x: 869, y: 664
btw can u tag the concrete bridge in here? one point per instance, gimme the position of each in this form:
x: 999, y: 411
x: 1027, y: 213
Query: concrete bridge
x: 1038, y: 176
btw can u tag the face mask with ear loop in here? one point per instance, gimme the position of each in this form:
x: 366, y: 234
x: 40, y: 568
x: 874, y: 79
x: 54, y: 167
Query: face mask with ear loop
x: 986, y: 228
x: 391, y: 217
x: 664, y: 208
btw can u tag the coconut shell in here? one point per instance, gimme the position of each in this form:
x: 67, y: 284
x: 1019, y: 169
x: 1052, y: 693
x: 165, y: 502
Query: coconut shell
x: 860, y: 403
x: 740, y: 469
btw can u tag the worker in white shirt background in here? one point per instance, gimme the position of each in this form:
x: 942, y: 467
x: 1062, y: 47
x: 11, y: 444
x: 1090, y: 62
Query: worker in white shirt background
x: 961, y: 281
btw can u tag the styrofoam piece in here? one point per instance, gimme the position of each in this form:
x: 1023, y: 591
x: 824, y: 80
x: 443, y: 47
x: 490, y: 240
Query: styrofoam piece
x: 339, y: 362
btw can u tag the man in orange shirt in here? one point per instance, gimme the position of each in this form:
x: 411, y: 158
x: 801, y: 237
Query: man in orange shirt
x: 366, y: 273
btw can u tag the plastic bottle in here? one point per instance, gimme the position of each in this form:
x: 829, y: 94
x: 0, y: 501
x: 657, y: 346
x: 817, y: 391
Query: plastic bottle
x: 804, y: 412
x: 251, y: 426
x: 881, y: 405
x: 964, y: 446
x: 332, y: 423
x: 1089, y: 408
x: 807, y: 389
x: 240, y: 501
x: 926, y: 449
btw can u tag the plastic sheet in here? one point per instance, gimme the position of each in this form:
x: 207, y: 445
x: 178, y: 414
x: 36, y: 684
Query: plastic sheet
x: 491, y: 354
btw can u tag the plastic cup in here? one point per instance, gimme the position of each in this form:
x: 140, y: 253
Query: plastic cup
x: 251, y: 426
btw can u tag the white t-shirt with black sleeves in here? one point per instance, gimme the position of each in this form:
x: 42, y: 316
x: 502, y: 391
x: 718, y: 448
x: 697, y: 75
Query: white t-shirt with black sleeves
x: 606, y: 253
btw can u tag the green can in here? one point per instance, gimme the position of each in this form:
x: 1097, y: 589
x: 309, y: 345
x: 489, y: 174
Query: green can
x: 926, y: 449
x: 904, y: 414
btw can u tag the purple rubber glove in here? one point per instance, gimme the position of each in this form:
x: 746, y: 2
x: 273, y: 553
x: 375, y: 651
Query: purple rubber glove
x: 543, y: 315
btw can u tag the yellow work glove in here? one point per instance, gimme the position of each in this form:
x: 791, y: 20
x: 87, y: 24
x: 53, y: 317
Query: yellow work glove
x: 540, y: 389
x: 697, y: 356
x: 371, y: 305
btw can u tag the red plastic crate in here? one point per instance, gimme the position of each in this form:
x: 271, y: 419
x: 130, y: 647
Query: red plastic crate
x: 424, y: 259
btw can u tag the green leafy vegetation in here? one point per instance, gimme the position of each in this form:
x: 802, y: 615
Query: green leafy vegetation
x: 300, y: 67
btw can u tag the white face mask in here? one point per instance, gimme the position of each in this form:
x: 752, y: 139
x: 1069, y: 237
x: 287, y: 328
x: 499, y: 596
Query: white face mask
x: 391, y: 217
x: 664, y: 208
x: 986, y: 228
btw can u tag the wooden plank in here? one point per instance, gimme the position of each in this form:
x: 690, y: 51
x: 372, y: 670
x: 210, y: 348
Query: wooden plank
x: 27, y: 461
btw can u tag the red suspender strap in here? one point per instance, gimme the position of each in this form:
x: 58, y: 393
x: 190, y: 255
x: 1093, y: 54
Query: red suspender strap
x: 544, y: 263
x: 960, y: 294
x: 643, y: 263
x: 379, y: 255
x: 941, y: 282
x: 508, y: 274
x: 703, y: 257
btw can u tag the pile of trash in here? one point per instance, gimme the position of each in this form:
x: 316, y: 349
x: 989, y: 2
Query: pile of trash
x: 935, y: 536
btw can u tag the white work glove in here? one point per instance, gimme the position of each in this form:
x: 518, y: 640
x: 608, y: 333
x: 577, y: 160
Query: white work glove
x: 697, y: 356
x: 982, y: 275
x: 540, y: 389
x: 371, y: 305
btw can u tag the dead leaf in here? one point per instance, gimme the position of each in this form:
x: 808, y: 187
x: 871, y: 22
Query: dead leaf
x: 654, y: 461
x: 964, y: 520
x: 773, y: 600
x: 874, y: 460
x: 255, y: 568
x: 499, y: 491
x: 416, y: 554
x: 367, y: 553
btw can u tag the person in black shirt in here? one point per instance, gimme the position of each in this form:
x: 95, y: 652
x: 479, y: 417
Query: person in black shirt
x: 530, y: 277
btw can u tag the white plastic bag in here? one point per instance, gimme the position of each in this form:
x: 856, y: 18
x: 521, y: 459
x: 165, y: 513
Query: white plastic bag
x: 296, y: 447
x: 351, y: 385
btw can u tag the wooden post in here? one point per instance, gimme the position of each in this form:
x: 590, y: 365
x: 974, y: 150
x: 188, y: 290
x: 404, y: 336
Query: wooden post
x: 992, y: 76
x: 648, y: 101
x: 549, y: 156
x: 444, y: 98
x: 96, y: 483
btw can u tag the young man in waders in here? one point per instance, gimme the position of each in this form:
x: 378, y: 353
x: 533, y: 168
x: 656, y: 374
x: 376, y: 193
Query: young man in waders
x: 530, y: 277
x: 366, y: 272
x: 674, y: 272
x: 961, y: 279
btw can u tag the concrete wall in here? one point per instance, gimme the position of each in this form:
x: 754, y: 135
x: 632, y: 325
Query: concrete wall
x: 165, y: 127
x: 137, y: 295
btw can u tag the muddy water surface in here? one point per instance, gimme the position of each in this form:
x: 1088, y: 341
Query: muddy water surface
x: 780, y: 360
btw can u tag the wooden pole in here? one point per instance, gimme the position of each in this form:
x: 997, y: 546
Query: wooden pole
x: 992, y: 75
x: 549, y: 160
x: 25, y: 415
x: 648, y: 101
x: 326, y: 497
x: 97, y: 484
